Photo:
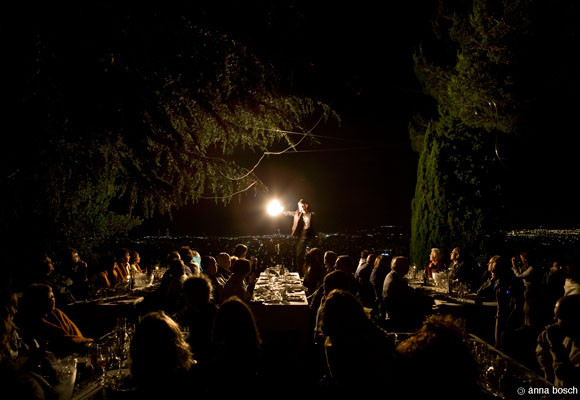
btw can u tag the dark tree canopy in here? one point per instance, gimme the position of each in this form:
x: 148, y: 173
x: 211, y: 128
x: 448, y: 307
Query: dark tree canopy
x: 459, y: 180
x: 114, y: 118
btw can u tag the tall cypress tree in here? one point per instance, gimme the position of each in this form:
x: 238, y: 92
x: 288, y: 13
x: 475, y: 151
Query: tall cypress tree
x: 471, y: 73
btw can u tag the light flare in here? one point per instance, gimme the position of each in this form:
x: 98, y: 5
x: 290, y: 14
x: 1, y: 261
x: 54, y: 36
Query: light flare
x: 274, y: 208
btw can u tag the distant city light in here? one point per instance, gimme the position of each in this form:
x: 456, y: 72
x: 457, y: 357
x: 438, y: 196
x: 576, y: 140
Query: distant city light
x: 274, y: 208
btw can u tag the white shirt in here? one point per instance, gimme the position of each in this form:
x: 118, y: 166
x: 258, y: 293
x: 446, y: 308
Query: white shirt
x: 306, y: 218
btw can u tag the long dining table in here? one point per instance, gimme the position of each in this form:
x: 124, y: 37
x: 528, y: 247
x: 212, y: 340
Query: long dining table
x: 279, y: 301
x: 97, y: 316
x: 282, y: 315
x: 478, y: 313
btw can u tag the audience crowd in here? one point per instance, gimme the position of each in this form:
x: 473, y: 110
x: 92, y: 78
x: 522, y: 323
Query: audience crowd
x: 359, y: 304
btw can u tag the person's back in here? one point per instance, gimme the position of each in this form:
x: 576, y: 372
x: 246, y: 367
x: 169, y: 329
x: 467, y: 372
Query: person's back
x: 335, y: 280
x: 404, y: 307
x: 236, y: 285
x: 363, y: 275
x: 378, y: 275
x: 360, y: 356
x: 237, y: 349
x: 170, y: 291
x: 314, y: 270
x: 162, y: 363
x: 198, y: 314
x: 187, y: 256
x: 438, y: 363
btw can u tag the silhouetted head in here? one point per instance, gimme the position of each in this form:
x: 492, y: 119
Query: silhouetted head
x: 235, y: 324
x: 197, y: 291
x: 400, y: 265
x: 336, y: 280
x: 342, y: 314
x: 345, y: 263
x: 242, y: 267
x: 566, y: 311
x: 241, y: 250
x: 158, y: 349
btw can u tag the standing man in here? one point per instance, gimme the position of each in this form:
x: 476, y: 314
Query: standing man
x: 302, y: 228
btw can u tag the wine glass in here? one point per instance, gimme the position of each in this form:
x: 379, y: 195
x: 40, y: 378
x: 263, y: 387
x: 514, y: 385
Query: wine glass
x: 501, y: 366
x: 494, y: 373
x: 117, y: 352
x: 103, y: 356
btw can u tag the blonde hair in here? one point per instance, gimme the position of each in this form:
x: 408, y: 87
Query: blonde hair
x: 437, y: 253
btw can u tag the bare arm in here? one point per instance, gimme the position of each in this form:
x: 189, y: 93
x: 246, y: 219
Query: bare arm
x: 523, y: 274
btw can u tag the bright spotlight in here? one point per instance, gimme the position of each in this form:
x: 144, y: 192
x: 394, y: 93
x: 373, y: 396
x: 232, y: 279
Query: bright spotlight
x: 274, y: 208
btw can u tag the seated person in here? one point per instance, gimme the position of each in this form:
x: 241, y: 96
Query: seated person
x: 435, y: 263
x: 329, y: 261
x: 335, y: 280
x: 170, y: 289
x: 558, y: 349
x: 224, y: 262
x: 40, y: 320
x: 438, y: 363
x: 210, y: 269
x: 572, y: 282
x: 405, y: 307
x: 43, y: 271
x: 99, y: 277
x: 359, y: 355
x: 198, y: 314
x: 188, y: 255
x: 346, y: 263
x: 240, y: 251
x: 363, y: 275
x: 313, y: 270
x: 380, y: 270
x: 236, y: 285
x: 17, y: 374
x: 76, y: 269
x: 460, y: 269
x: 237, y: 349
x: 362, y: 260
x: 135, y: 262
x: 161, y: 360
x: 121, y: 265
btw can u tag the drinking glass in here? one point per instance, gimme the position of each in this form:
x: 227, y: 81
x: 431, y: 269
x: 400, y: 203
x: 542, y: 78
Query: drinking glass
x: 103, y: 357
x: 117, y: 352
x: 66, y: 372
x: 501, y: 366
